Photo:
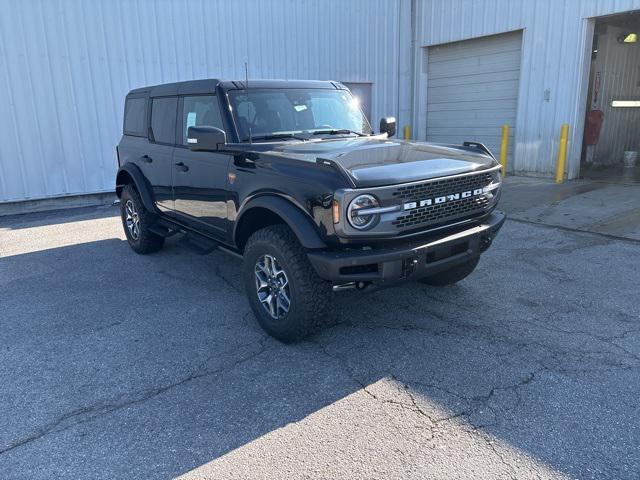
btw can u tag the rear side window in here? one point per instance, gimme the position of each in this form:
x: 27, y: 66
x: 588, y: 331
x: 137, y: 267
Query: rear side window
x: 134, y: 114
x: 163, y: 119
x: 200, y: 110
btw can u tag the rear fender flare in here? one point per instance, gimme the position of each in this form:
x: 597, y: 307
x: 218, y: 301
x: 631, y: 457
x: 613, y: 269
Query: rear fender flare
x: 140, y: 181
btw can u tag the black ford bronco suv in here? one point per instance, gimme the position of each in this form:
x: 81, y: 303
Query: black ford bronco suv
x: 290, y: 175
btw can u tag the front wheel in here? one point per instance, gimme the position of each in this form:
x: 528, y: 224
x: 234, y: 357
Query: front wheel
x: 453, y: 275
x: 286, y: 295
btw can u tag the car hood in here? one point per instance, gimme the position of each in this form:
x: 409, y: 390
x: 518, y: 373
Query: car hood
x: 377, y: 161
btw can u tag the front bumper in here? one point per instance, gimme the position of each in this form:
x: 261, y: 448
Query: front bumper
x: 409, y: 260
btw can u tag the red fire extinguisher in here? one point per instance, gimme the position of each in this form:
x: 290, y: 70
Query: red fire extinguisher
x: 592, y: 126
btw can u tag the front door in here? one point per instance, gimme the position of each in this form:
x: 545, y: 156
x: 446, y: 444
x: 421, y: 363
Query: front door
x: 200, y: 178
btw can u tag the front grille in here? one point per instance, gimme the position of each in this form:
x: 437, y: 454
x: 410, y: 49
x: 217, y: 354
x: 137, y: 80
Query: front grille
x: 453, y: 209
x: 443, y: 187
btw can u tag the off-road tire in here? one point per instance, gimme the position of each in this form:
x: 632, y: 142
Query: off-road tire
x: 147, y: 241
x: 453, y: 275
x: 310, y: 295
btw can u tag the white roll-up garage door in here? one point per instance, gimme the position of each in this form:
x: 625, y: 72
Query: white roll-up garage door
x: 472, y: 90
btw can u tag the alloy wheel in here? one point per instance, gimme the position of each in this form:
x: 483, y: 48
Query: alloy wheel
x: 132, y: 219
x: 272, y: 286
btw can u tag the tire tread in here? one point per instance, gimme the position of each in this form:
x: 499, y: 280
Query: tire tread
x: 148, y: 241
x: 314, y: 294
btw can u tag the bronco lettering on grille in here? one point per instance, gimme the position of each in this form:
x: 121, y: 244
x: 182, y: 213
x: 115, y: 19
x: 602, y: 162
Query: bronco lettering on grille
x: 445, y: 198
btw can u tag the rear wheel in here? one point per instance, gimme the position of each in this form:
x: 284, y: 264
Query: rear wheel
x: 286, y: 295
x: 137, y: 221
x: 453, y: 275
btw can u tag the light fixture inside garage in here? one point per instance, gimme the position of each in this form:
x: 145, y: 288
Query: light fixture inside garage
x: 628, y: 38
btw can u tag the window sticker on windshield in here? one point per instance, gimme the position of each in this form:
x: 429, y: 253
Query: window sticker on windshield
x: 300, y: 108
x: 191, y: 119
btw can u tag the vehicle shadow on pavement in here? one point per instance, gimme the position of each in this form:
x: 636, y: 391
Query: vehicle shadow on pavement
x: 119, y: 365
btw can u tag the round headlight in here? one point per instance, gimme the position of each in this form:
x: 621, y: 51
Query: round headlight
x: 358, y: 220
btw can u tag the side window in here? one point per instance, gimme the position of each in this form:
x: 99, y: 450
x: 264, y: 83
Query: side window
x: 163, y: 119
x: 200, y: 110
x: 134, y: 114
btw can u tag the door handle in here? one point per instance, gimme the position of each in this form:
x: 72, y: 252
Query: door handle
x: 146, y: 159
x: 182, y: 167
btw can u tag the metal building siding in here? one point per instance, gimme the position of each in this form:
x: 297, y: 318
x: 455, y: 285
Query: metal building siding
x: 66, y: 66
x: 473, y: 89
x: 556, y: 43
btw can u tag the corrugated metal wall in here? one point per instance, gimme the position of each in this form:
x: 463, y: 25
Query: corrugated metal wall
x: 65, y: 66
x: 619, y: 68
x: 555, y: 57
x: 473, y: 90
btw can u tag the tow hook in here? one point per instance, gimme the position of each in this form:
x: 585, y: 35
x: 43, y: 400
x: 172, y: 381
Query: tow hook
x: 408, y: 266
x: 486, y: 242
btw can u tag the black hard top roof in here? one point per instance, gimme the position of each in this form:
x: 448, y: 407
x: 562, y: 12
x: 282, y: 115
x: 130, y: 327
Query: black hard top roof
x: 209, y: 85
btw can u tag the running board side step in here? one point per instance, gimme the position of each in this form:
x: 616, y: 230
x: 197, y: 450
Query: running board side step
x: 164, y: 229
x: 199, y: 244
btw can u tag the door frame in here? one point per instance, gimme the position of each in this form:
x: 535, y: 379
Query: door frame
x: 576, y: 137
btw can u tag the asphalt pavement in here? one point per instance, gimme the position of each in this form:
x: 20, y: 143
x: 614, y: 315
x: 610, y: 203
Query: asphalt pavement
x: 116, y: 365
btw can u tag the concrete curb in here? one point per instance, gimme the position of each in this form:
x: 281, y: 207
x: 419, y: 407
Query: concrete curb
x: 57, y: 203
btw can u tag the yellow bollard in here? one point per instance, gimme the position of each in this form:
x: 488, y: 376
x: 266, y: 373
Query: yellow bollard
x: 562, y: 153
x: 504, y: 148
x: 407, y: 132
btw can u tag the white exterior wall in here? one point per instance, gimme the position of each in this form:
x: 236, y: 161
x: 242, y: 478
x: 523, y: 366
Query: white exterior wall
x: 66, y: 65
x: 557, y: 37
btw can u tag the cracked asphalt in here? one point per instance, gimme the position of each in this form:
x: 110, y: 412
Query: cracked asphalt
x: 115, y: 365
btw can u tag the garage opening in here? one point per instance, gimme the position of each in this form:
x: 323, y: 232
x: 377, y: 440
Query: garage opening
x: 612, y: 125
x: 472, y: 90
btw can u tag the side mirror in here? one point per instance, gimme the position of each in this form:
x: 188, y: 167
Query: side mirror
x: 205, y: 138
x: 388, y: 126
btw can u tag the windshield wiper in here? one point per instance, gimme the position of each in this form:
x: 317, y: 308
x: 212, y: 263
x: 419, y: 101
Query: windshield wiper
x: 276, y: 136
x: 342, y: 131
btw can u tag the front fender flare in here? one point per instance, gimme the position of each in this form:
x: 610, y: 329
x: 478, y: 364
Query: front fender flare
x: 295, y: 218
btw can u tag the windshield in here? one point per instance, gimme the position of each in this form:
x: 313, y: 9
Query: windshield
x: 297, y: 113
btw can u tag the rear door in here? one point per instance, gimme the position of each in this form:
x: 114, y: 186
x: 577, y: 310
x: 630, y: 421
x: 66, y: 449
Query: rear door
x: 157, y: 163
x: 200, y: 178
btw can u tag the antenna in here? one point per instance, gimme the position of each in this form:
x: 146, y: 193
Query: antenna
x: 246, y: 78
